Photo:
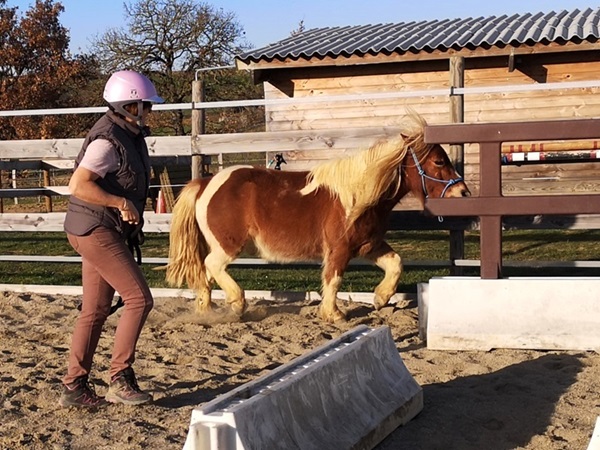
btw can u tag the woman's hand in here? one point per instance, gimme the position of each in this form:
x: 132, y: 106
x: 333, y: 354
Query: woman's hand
x: 83, y: 185
x: 128, y: 212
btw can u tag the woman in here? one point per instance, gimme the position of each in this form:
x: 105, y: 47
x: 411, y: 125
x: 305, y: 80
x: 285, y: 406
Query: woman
x: 109, y: 189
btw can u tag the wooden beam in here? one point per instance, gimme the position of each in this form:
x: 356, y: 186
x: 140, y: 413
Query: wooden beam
x: 15, y: 193
x: 296, y: 140
x: 62, y: 164
x: 52, y: 222
x: 512, y: 132
x: 515, y: 205
x: 57, y: 149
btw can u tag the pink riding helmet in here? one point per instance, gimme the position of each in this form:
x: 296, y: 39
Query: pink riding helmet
x: 125, y: 87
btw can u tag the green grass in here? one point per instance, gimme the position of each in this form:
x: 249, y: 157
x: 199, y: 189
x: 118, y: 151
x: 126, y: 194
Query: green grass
x: 547, y: 245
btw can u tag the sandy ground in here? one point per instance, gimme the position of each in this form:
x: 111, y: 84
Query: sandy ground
x: 503, y: 399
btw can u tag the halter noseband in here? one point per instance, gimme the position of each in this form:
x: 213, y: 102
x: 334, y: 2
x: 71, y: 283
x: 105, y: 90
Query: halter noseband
x: 424, y: 176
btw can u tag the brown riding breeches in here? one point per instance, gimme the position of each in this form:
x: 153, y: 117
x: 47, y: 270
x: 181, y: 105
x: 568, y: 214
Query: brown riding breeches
x: 107, y: 266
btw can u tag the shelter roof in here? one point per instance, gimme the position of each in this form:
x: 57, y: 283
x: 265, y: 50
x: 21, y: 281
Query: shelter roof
x: 436, y: 38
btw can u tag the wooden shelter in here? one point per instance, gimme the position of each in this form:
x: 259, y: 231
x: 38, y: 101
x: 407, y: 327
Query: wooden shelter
x: 523, y: 67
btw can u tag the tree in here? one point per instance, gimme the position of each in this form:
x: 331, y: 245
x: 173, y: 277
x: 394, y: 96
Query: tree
x: 169, y: 40
x: 37, y: 71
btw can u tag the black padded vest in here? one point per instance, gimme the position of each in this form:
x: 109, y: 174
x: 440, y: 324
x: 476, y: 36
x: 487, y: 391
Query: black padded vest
x: 131, y: 180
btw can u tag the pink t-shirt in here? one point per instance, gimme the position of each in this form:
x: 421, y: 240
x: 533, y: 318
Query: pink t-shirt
x: 100, y: 157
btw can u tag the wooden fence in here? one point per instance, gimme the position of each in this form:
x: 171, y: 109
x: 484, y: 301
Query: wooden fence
x: 180, y: 150
x: 491, y: 206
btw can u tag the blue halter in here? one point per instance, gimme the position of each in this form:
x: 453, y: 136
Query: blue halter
x: 424, y: 176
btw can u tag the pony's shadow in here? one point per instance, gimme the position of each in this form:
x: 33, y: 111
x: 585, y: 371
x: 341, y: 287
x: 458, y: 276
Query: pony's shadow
x: 502, y: 410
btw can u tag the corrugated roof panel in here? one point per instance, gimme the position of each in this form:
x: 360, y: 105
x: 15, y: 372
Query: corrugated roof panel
x: 549, y: 26
x: 590, y: 27
x: 460, y: 35
x: 433, y: 34
x: 481, y: 29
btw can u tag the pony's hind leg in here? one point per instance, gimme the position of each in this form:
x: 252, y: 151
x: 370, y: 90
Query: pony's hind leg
x: 216, y: 264
x: 203, y: 295
x: 391, y: 263
x: 331, y: 277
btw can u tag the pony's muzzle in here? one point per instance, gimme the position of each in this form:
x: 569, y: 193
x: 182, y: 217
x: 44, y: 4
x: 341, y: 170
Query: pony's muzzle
x: 459, y: 189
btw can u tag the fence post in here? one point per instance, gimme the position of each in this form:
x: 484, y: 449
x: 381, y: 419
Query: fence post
x: 199, y: 162
x: 457, y: 153
x: 48, y: 197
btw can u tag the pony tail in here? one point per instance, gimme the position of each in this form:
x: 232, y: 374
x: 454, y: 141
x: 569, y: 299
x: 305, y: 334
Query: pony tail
x: 187, y: 245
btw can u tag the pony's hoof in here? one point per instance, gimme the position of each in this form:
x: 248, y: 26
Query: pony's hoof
x: 379, y: 302
x: 336, y: 316
x: 239, y: 308
x: 205, y: 308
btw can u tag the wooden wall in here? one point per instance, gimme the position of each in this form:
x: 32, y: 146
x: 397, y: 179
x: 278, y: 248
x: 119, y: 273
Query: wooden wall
x: 532, y: 69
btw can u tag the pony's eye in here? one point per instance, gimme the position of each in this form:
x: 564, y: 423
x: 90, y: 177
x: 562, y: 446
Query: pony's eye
x: 439, y: 163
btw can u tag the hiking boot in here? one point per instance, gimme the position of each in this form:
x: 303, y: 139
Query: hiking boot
x: 80, y: 393
x: 124, y: 389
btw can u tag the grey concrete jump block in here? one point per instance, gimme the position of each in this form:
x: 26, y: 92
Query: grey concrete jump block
x: 348, y: 394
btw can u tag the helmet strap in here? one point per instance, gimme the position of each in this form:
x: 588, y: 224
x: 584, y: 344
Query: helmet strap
x: 139, y: 119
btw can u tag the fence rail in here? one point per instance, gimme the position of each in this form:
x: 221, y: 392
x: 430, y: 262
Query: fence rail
x: 59, y: 154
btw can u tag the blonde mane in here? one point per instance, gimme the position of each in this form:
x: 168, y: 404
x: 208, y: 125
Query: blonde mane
x: 360, y: 180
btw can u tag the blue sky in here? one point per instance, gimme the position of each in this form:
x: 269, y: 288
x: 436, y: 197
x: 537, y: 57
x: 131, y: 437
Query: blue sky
x: 268, y: 21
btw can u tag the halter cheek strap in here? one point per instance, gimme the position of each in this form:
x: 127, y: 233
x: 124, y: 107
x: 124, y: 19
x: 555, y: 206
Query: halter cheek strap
x: 424, y: 176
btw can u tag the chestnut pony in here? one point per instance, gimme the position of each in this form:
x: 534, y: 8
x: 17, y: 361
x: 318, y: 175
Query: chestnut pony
x: 335, y: 212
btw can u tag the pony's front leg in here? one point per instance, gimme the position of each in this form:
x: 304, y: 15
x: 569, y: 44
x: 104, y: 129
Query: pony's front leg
x: 332, y: 280
x: 391, y: 263
x: 216, y: 262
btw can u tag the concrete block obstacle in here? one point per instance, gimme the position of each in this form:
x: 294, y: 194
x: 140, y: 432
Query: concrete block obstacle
x: 550, y: 313
x: 349, y: 393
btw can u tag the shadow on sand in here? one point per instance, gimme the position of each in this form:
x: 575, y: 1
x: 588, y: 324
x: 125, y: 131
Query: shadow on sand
x: 502, y: 410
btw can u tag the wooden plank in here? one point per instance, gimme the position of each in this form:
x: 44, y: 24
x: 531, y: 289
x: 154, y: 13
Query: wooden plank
x: 46, y: 149
x: 16, y: 193
x: 213, y: 144
x: 58, y: 163
x: 32, y: 221
x: 52, y: 222
x: 371, y: 115
x: 40, y: 148
x: 511, y: 132
x: 372, y: 79
x: 400, y: 220
x: 169, y: 145
x: 60, y: 190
